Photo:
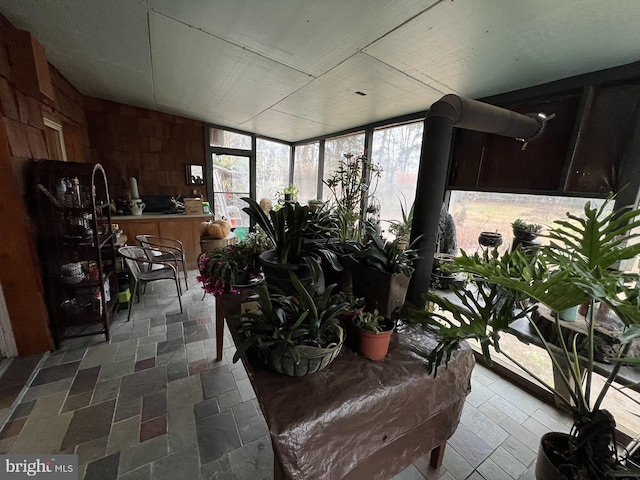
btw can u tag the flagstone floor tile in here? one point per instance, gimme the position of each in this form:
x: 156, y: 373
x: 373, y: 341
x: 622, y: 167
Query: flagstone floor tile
x: 155, y: 404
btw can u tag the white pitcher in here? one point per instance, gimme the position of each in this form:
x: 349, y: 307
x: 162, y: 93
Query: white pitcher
x: 136, y: 206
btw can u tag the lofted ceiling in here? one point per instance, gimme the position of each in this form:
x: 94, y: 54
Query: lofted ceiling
x: 292, y: 69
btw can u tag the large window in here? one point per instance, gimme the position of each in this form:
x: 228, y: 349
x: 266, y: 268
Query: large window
x: 334, y: 150
x: 305, y: 171
x: 475, y: 212
x: 228, y: 139
x: 397, y: 150
x: 272, y: 168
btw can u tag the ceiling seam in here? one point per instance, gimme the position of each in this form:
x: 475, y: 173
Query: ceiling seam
x: 243, y: 47
x: 411, y: 77
x: 397, y: 27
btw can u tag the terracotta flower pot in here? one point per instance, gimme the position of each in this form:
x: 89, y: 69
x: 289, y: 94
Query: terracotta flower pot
x: 373, y: 346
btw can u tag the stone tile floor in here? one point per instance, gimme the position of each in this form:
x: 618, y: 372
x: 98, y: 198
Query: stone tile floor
x: 154, y: 404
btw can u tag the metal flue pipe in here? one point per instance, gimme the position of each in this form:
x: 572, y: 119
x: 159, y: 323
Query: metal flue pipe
x: 448, y: 112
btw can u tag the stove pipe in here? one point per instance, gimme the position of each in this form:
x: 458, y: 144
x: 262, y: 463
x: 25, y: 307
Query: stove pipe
x: 448, y: 112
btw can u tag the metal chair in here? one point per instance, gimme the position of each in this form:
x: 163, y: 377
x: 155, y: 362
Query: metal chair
x: 166, y: 250
x: 144, y: 270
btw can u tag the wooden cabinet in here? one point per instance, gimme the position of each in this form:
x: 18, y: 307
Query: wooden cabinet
x: 185, y: 228
x: 76, y: 245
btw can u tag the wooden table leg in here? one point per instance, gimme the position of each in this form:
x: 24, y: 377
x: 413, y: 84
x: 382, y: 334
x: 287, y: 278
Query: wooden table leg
x: 437, y: 455
x: 219, y: 329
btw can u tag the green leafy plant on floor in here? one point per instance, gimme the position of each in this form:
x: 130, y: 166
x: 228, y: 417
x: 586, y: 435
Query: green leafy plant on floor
x: 576, y: 266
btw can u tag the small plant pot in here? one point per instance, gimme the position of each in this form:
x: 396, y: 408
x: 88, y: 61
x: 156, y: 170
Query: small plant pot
x: 524, y: 235
x: 490, y: 239
x: 374, y: 346
x: 568, y: 315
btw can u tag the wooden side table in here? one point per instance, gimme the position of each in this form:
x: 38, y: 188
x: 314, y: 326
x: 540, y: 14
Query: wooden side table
x: 229, y: 304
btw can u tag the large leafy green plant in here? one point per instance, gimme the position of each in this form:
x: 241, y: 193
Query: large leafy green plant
x: 285, y: 322
x: 352, y: 186
x: 384, y: 256
x: 402, y: 228
x: 578, y: 265
x: 292, y: 230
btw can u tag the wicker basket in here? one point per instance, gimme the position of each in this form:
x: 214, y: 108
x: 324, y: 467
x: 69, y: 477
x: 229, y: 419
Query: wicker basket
x: 312, y: 359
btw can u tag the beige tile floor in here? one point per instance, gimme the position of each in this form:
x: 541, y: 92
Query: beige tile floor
x: 154, y: 404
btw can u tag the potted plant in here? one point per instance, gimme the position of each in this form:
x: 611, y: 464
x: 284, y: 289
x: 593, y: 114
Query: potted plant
x: 290, y: 193
x: 525, y: 231
x: 355, y: 305
x: 294, y: 335
x: 402, y: 228
x: 315, y: 204
x: 381, y: 272
x: 374, y: 334
x: 223, y: 269
x: 297, y: 236
x: 352, y: 186
x: 575, y: 267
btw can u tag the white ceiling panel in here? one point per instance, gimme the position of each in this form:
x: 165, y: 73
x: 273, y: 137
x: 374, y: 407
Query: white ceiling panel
x: 99, y: 35
x: 332, y: 99
x: 483, y: 47
x: 285, y: 126
x: 289, y: 69
x: 312, y: 36
x: 198, y: 72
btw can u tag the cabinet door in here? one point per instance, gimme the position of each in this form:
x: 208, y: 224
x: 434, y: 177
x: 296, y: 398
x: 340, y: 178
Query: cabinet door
x: 188, y: 232
x: 131, y: 228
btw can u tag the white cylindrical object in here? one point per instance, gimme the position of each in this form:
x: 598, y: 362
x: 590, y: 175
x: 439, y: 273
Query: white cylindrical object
x: 134, y: 188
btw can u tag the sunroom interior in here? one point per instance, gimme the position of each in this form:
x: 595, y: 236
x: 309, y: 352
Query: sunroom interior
x: 263, y: 95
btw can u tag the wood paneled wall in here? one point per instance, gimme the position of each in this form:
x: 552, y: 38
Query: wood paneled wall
x: 151, y: 146
x: 22, y: 139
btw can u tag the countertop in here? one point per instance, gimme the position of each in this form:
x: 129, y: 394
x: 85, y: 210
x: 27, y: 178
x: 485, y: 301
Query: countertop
x: 158, y: 216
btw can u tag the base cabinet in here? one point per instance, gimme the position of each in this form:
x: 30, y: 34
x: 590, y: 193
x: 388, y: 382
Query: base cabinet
x: 185, y: 228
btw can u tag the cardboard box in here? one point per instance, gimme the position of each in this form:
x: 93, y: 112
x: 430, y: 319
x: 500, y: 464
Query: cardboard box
x: 192, y: 206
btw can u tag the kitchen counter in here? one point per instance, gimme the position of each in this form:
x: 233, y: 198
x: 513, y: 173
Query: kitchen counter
x: 185, y: 228
x: 159, y: 215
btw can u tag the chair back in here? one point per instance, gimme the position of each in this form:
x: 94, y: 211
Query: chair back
x: 147, y: 247
x: 136, y: 259
x: 143, y: 240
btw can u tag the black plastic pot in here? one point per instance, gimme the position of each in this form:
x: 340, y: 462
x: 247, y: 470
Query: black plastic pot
x: 381, y: 290
x: 277, y: 274
x: 545, y: 467
x: 490, y: 239
x: 524, y: 235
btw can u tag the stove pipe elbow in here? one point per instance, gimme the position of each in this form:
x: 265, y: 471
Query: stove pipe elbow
x: 448, y: 112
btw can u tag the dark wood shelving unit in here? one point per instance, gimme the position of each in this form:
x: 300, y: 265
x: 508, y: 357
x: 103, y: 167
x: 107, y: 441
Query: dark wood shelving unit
x: 77, y: 248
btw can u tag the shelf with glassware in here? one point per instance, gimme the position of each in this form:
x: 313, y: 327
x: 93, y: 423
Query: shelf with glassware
x: 77, y: 248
